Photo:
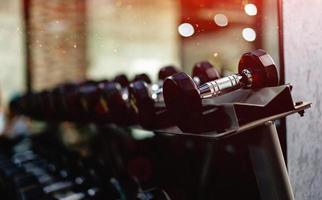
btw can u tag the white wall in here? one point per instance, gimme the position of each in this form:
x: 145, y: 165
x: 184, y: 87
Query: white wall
x: 303, y: 62
x: 12, y: 69
x: 131, y: 36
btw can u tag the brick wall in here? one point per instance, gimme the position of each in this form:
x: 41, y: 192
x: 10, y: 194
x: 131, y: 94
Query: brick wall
x: 57, y: 34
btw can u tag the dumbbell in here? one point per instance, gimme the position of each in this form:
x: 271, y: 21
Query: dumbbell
x: 79, y: 102
x: 74, y: 180
x: 142, y: 77
x: 46, y: 106
x: 183, y: 98
x: 42, y: 106
x: 113, y: 97
x: 142, y: 98
x: 93, y: 105
x: 33, y: 108
x: 90, y: 104
x: 33, y: 104
x: 21, y: 104
x: 82, y: 100
x: 85, y: 101
x: 59, y: 104
x: 148, y: 99
x: 167, y: 71
x: 122, y: 80
x: 15, y: 106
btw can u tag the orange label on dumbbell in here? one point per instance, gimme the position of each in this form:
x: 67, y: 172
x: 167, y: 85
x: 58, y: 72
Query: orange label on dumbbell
x: 133, y: 104
x: 84, y: 104
x: 104, y: 105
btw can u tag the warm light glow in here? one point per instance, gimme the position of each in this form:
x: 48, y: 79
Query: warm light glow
x: 221, y: 20
x: 186, y: 30
x: 250, y: 9
x: 249, y: 34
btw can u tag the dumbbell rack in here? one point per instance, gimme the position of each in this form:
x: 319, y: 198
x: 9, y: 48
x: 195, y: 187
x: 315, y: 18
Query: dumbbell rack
x: 251, y: 114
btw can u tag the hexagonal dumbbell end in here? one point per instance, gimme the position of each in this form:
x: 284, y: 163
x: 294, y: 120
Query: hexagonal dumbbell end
x: 181, y: 92
x: 166, y: 72
x: 143, y: 77
x: 122, y: 80
x: 141, y: 91
x: 143, y: 97
x: 142, y: 103
x: 203, y: 72
x: 262, y: 68
x: 182, y: 99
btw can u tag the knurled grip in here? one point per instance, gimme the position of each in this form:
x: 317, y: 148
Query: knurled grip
x: 220, y: 86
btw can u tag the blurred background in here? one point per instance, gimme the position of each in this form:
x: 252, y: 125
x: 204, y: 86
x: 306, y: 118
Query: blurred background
x: 46, y: 43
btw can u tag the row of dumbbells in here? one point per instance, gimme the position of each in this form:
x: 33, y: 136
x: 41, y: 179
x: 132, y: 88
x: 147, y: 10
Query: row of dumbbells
x: 175, y: 100
x: 58, y: 174
x: 118, y: 101
x: 27, y: 176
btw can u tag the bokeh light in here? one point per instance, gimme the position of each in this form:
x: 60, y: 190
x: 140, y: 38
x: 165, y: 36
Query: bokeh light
x: 186, y: 30
x: 221, y: 20
x: 249, y: 34
x: 250, y: 9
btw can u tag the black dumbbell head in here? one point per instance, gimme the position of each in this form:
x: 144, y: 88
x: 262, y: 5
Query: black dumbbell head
x: 139, y: 92
x: 263, y: 69
x: 182, y: 98
x: 32, y: 105
x: 122, y: 80
x: 142, y: 103
x: 15, y: 105
x: 60, y: 100
x: 142, y: 77
x: 166, y: 72
x: 205, y: 71
x: 88, y: 97
x: 118, y: 107
x: 46, y: 104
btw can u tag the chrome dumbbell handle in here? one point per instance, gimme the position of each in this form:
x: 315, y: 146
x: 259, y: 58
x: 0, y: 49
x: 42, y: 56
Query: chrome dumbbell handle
x: 226, y: 84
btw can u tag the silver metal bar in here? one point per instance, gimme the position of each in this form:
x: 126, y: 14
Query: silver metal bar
x: 220, y: 86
